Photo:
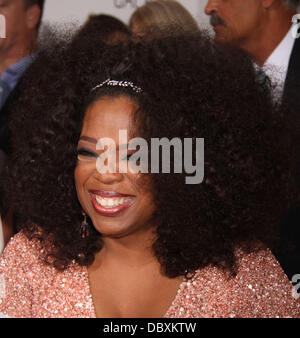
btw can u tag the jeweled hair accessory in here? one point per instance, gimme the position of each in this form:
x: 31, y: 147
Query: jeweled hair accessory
x: 115, y: 83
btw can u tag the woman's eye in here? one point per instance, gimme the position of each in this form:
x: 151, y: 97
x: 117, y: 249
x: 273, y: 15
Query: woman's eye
x: 84, y: 154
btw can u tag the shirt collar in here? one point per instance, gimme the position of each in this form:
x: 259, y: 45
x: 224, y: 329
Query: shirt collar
x: 280, y: 57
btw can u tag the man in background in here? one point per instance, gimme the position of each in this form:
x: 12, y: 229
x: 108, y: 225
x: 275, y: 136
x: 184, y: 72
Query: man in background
x: 264, y: 29
x: 22, y: 22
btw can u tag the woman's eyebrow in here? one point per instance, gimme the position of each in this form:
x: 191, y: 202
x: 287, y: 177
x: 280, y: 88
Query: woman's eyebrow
x: 88, y: 139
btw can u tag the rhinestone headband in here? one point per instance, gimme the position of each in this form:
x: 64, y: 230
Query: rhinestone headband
x: 114, y: 83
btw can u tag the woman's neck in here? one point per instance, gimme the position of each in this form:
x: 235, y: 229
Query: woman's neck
x: 132, y: 251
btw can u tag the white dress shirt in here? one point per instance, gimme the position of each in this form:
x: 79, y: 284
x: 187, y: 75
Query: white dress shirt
x: 276, y: 66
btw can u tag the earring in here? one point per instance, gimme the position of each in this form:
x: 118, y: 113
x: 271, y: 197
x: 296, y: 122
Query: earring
x: 84, y: 231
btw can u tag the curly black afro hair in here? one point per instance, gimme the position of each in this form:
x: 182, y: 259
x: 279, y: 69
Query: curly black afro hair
x: 192, y: 88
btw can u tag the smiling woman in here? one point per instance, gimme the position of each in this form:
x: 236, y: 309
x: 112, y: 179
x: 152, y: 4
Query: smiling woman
x: 127, y: 244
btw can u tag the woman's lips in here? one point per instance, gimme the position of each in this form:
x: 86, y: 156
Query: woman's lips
x: 110, y: 203
x: 105, y: 193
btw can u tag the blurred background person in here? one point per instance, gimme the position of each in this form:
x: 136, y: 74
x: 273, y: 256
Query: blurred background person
x: 264, y: 30
x: 159, y: 15
x: 98, y: 31
x: 103, y: 29
x: 22, y: 19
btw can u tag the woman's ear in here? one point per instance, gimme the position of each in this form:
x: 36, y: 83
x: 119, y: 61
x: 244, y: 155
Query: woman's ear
x: 33, y: 14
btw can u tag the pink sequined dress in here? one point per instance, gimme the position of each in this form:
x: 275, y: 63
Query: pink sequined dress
x: 31, y: 288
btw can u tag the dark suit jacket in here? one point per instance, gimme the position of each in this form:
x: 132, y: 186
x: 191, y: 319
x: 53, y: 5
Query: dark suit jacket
x: 288, y: 253
x: 292, y: 82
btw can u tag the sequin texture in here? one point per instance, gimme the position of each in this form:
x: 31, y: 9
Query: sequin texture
x: 35, y: 289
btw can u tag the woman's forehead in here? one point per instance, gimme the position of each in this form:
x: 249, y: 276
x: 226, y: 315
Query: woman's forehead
x: 107, y: 116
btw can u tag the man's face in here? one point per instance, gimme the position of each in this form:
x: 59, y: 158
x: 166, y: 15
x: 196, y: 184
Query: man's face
x: 235, y: 21
x: 16, y: 22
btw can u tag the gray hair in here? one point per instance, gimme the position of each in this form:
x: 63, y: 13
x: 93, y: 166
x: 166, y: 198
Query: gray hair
x: 293, y: 4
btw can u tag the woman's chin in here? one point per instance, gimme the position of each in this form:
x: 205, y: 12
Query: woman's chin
x: 112, y: 229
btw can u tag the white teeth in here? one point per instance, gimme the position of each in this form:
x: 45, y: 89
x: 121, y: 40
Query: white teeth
x: 112, y: 202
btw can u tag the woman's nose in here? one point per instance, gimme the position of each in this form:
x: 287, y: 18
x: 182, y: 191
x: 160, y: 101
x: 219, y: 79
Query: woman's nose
x: 107, y: 174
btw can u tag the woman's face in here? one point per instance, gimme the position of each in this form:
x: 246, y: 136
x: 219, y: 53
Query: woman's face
x: 117, y: 203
